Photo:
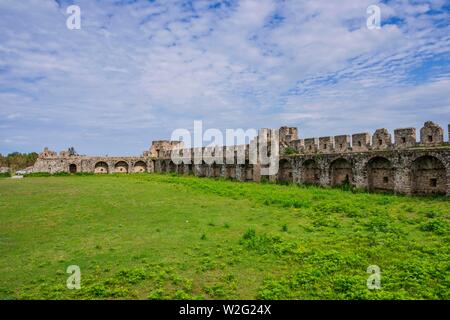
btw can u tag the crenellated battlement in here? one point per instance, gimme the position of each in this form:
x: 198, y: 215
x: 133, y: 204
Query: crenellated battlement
x: 431, y: 135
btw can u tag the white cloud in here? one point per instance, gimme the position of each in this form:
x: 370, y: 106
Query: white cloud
x: 135, y: 72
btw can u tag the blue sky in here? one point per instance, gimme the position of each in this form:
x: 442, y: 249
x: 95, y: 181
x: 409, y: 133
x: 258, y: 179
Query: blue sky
x: 137, y: 70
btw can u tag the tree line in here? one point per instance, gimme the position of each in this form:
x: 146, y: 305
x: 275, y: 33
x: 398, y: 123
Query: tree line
x: 16, y: 160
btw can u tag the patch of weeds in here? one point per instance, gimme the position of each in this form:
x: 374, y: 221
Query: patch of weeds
x: 97, y: 290
x: 216, y: 291
x: 37, y: 174
x: 326, y: 221
x: 185, y: 284
x: 181, y: 295
x: 264, y: 244
x: 384, y: 201
x: 207, y: 263
x: 436, y: 225
x: 131, y: 276
x: 61, y: 174
x: 377, y: 224
x: 272, y: 290
x: 431, y: 214
x: 408, y: 208
x: 287, y: 202
x: 119, y: 292
x: 349, y: 287
x: 156, y: 294
x: 224, y: 289
x: 82, y: 174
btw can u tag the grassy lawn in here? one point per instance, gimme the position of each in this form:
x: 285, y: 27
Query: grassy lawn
x: 155, y: 236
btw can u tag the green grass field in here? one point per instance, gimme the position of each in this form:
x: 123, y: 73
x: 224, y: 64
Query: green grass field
x: 155, y: 236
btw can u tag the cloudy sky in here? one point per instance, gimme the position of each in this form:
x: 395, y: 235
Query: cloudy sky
x: 137, y: 70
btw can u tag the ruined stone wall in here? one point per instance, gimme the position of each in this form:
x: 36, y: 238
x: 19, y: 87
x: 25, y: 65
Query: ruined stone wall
x: 75, y: 164
x: 372, y: 162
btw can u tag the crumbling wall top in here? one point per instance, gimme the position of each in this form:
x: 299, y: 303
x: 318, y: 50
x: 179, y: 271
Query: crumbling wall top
x: 405, y: 137
x: 381, y: 139
x: 431, y: 134
x: 361, y: 142
x: 47, y: 153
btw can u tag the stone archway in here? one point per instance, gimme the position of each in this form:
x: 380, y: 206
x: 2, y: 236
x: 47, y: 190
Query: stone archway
x: 380, y: 174
x: 101, y: 167
x: 285, y: 171
x: 172, y: 167
x: 163, y: 166
x: 121, y: 167
x: 215, y: 170
x: 310, y: 173
x: 341, y: 172
x: 202, y: 169
x: 247, y: 174
x: 230, y: 171
x: 139, y: 167
x: 73, y: 168
x: 428, y: 176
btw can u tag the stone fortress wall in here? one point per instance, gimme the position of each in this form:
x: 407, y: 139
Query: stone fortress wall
x: 373, y: 162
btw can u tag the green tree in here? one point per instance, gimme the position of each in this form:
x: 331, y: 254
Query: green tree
x: 17, y: 160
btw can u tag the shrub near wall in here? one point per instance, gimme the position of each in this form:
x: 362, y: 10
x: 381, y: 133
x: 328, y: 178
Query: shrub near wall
x: 37, y: 174
x: 57, y: 174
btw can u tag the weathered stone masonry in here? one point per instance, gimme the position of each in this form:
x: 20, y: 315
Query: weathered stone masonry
x: 372, y: 162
